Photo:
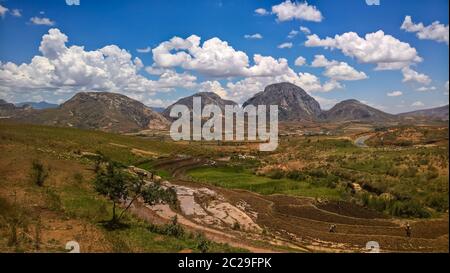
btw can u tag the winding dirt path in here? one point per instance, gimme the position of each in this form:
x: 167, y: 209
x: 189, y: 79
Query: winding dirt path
x: 360, y: 141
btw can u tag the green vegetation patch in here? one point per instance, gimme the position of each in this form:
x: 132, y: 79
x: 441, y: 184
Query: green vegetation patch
x: 240, y: 178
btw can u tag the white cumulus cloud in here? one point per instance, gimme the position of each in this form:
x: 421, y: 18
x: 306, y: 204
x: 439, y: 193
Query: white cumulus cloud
x: 292, y: 34
x: 261, y: 11
x: 63, y: 69
x: 42, y: 21
x: 378, y: 48
x: 213, y: 86
x: 395, y: 94
x: 285, y: 45
x: 300, y: 61
x: 305, y: 30
x: 338, y: 71
x: 16, y: 13
x: 144, y: 50
x: 417, y: 104
x: 288, y: 10
x: 3, y: 11
x: 253, y: 36
x: 436, y: 31
x: 214, y: 58
x: 426, y: 89
x: 410, y: 75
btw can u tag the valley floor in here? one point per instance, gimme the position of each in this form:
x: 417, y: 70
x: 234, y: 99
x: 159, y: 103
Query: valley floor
x: 232, y: 217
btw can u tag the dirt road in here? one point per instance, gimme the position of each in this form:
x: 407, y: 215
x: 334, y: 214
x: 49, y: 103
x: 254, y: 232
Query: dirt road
x: 360, y: 141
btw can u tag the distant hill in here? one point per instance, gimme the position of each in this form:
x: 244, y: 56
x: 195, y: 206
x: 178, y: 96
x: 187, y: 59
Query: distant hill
x: 353, y: 110
x: 439, y: 113
x: 158, y: 109
x: 99, y: 110
x: 294, y: 104
x: 38, y: 105
x: 207, y: 98
x: 8, y: 110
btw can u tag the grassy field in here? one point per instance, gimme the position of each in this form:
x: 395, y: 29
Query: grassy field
x: 65, y: 208
x: 128, y: 150
x: 240, y: 178
x: 404, y: 181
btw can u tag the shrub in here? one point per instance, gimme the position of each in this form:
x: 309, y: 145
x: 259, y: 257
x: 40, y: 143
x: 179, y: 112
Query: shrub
x: 297, y: 175
x: 275, y: 174
x: 432, y: 172
x: 38, y: 173
x: 410, y: 172
x: 438, y: 202
x: 53, y: 200
x: 202, y: 243
x: 423, y: 161
x: 319, y: 173
x: 236, y: 226
x: 78, y: 177
x: 172, y: 229
x: 408, y: 208
x: 393, y: 172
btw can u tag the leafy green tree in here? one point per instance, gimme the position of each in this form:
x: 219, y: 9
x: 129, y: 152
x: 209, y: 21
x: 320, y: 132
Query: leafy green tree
x: 112, y: 183
x: 122, y: 187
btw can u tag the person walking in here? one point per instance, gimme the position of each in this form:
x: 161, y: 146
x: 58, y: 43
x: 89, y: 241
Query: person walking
x: 333, y: 229
x: 408, y: 230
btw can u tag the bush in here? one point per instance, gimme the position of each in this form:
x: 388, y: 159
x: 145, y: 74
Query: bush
x: 319, y: 173
x: 275, y: 174
x: 202, y: 243
x: 53, y: 200
x: 172, y: 229
x: 393, y: 172
x: 432, y: 172
x: 410, y: 172
x: 408, y: 209
x: 38, y: 173
x: 236, y: 226
x: 78, y: 177
x: 438, y: 202
x: 404, y: 143
x: 423, y: 161
x: 330, y: 181
x: 297, y: 175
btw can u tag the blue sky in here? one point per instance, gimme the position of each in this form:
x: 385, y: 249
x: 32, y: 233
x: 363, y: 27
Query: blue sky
x: 94, y: 46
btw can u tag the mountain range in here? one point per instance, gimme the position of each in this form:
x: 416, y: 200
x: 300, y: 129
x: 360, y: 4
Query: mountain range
x: 38, y: 105
x: 117, y: 113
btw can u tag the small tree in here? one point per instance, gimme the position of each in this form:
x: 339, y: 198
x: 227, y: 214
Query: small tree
x: 120, y: 186
x: 38, y: 173
x: 112, y: 183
